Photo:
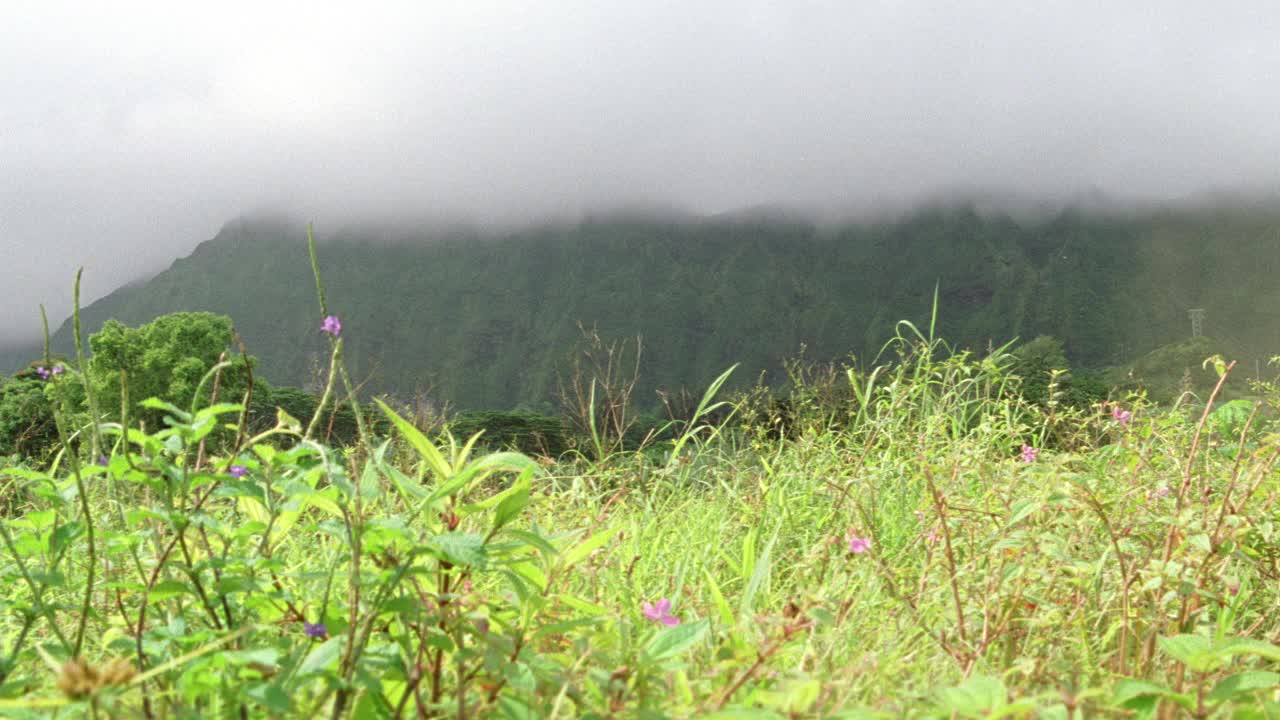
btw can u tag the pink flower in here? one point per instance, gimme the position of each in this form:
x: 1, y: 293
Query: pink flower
x: 660, y: 612
x: 933, y: 535
x: 1121, y: 416
x: 1029, y: 454
x: 858, y: 545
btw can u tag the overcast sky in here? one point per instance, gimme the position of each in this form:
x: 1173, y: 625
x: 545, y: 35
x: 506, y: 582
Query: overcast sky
x: 130, y: 131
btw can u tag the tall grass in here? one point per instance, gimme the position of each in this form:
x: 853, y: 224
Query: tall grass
x: 892, y: 554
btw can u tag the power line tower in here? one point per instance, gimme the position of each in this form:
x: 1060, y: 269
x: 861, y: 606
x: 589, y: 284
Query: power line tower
x: 1197, y: 321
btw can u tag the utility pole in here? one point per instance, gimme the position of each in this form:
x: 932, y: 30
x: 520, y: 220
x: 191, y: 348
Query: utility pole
x: 1197, y: 321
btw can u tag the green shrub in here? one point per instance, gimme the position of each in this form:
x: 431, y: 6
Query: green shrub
x: 26, y: 416
x: 526, y: 432
x: 337, y: 426
x: 167, y: 359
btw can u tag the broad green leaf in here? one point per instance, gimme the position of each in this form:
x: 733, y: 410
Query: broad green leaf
x: 24, y: 474
x: 1248, y: 646
x: 512, y: 505
x: 213, y: 411
x: 534, y: 540
x: 168, y: 588
x: 1190, y: 650
x: 977, y: 697
x: 531, y: 573
x: 565, y: 626
x: 582, y: 605
x: 321, y: 501
x: 513, y: 708
x: 466, y: 549
x: 481, y: 469
x: 262, y: 656
x: 672, y: 641
x: 230, y: 584
x: 410, y: 489
x: 288, y: 422
x: 170, y: 408
x: 586, y: 547
x: 1020, y: 511
x: 429, y: 452
x: 272, y: 697
x: 319, y: 659
x: 1241, y: 683
x: 64, y: 535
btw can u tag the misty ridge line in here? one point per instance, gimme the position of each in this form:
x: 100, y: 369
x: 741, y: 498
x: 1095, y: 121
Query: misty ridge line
x: 409, y: 227
x: 487, y: 318
x: 1026, y: 208
x: 130, y: 134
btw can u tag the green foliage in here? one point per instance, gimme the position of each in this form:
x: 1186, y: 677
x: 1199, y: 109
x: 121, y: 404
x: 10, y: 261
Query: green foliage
x: 1171, y: 371
x: 26, y: 416
x: 1048, y: 380
x: 1041, y: 363
x: 167, y: 358
x: 338, y: 425
x: 900, y: 555
x: 483, y: 322
x: 422, y: 575
x: 527, y: 432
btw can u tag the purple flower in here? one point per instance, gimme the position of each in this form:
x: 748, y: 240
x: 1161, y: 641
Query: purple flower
x: 661, y: 612
x: 47, y: 373
x: 1121, y: 416
x: 238, y: 471
x: 331, y: 325
x: 1029, y: 454
x: 858, y: 545
x: 1159, y: 493
x: 315, y: 631
x: 102, y: 460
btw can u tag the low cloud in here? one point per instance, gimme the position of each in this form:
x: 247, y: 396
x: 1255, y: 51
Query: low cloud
x: 130, y: 132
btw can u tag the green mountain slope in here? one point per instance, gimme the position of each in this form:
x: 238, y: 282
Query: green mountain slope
x: 486, y: 322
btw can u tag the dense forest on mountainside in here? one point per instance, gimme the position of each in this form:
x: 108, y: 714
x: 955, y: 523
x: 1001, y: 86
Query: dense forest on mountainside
x: 488, y: 322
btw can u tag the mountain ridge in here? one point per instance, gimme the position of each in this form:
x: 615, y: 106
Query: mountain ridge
x: 487, y: 320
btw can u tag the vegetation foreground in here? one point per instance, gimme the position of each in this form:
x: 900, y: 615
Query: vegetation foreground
x: 930, y: 544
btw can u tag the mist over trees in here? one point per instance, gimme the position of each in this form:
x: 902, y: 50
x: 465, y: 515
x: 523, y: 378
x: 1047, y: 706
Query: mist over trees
x: 486, y: 323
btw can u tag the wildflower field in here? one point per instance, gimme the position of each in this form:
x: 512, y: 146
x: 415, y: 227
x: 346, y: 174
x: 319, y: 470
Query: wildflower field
x: 923, y: 542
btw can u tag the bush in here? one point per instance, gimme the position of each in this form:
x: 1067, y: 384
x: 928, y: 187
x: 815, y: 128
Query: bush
x: 337, y: 426
x: 527, y: 432
x: 1047, y: 376
x: 1171, y: 370
x: 26, y: 416
x: 166, y: 358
